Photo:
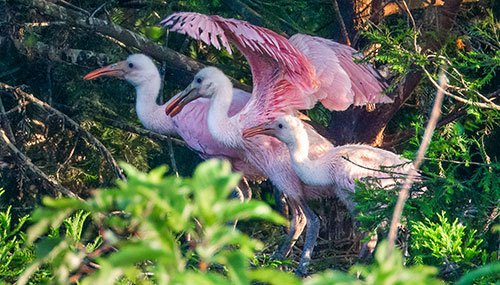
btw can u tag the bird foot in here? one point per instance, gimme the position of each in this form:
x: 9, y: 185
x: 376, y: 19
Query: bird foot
x: 301, y: 271
x: 278, y: 255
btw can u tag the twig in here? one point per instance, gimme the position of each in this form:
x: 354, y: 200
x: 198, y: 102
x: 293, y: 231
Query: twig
x: 5, y: 123
x: 163, y: 71
x: 458, y: 98
x: 140, y: 131
x: 69, y: 122
x: 49, y: 82
x: 172, y: 157
x: 415, y: 45
x: 426, y: 139
x: 383, y: 169
x: 458, y: 162
x: 401, y: 137
x: 343, y: 29
x: 9, y: 72
x: 99, y: 8
x: 33, y: 168
x: 71, y: 6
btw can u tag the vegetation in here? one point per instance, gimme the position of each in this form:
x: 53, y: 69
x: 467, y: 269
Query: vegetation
x: 62, y: 136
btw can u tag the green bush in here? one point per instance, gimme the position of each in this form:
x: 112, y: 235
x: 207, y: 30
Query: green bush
x: 135, y: 234
x: 142, y: 223
x: 13, y: 256
x: 437, y: 243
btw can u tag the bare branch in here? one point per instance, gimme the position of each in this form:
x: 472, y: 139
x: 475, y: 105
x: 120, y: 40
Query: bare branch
x: 25, y: 162
x: 140, y: 131
x: 70, y: 123
x: 5, y: 123
x: 489, y: 105
x: 426, y: 139
x: 67, y: 55
x: 181, y: 66
x: 343, y: 29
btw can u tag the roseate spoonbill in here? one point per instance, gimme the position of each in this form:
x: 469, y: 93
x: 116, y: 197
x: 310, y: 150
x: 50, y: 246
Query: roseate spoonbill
x: 340, y: 166
x: 140, y: 71
x: 335, y: 70
x: 285, y: 80
x: 266, y: 153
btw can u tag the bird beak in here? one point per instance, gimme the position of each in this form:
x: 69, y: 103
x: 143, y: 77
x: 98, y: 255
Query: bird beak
x: 262, y: 129
x: 113, y: 70
x: 187, y: 95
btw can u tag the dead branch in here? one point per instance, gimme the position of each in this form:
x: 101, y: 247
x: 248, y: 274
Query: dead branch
x: 140, y: 131
x: 67, y: 55
x: 401, y: 137
x: 248, y: 13
x: 426, y: 140
x: 69, y: 123
x: 181, y: 67
x: 343, y: 29
x: 488, y: 105
x: 5, y: 123
x: 24, y: 161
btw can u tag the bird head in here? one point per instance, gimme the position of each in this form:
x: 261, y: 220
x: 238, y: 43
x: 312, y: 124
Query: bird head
x: 282, y: 128
x: 204, y: 85
x: 138, y: 69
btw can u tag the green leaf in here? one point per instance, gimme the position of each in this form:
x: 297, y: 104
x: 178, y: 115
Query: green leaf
x: 274, y: 277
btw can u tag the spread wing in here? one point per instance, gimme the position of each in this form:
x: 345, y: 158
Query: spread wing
x: 283, y: 77
x: 343, y: 81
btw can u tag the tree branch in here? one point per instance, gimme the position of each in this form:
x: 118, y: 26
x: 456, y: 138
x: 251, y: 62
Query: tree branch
x: 23, y: 160
x: 140, y: 131
x: 69, y: 123
x: 181, y: 67
x: 343, y: 29
x: 426, y: 140
x: 357, y: 125
x: 67, y: 55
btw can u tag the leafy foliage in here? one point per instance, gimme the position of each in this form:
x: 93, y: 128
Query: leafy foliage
x: 13, y: 252
x: 461, y: 171
x: 444, y: 242
x: 142, y: 222
x: 389, y: 269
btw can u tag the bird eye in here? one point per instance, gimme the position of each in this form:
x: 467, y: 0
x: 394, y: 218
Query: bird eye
x: 280, y: 126
x: 198, y: 80
x: 131, y: 65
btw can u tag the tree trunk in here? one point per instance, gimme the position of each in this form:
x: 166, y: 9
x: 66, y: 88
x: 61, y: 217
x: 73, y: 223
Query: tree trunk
x: 357, y: 125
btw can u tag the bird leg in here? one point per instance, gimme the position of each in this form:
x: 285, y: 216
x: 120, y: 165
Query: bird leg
x: 367, y: 249
x: 237, y: 193
x: 242, y: 192
x: 297, y: 225
x: 281, y: 205
x: 312, y: 232
x: 245, y: 189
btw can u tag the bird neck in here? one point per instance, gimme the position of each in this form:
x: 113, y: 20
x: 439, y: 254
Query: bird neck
x: 152, y: 115
x: 222, y: 127
x: 299, y: 153
x: 299, y: 147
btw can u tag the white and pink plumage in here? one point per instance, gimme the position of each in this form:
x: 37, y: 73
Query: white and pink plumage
x: 338, y: 81
x: 285, y: 80
x: 142, y: 73
x: 340, y: 166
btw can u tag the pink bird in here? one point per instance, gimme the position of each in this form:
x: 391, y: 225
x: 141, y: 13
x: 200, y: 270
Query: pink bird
x: 341, y: 166
x: 140, y: 71
x: 286, y: 79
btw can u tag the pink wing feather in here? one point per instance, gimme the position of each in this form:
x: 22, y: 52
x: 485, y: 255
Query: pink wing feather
x: 343, y: 82
x: 283, y: 77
